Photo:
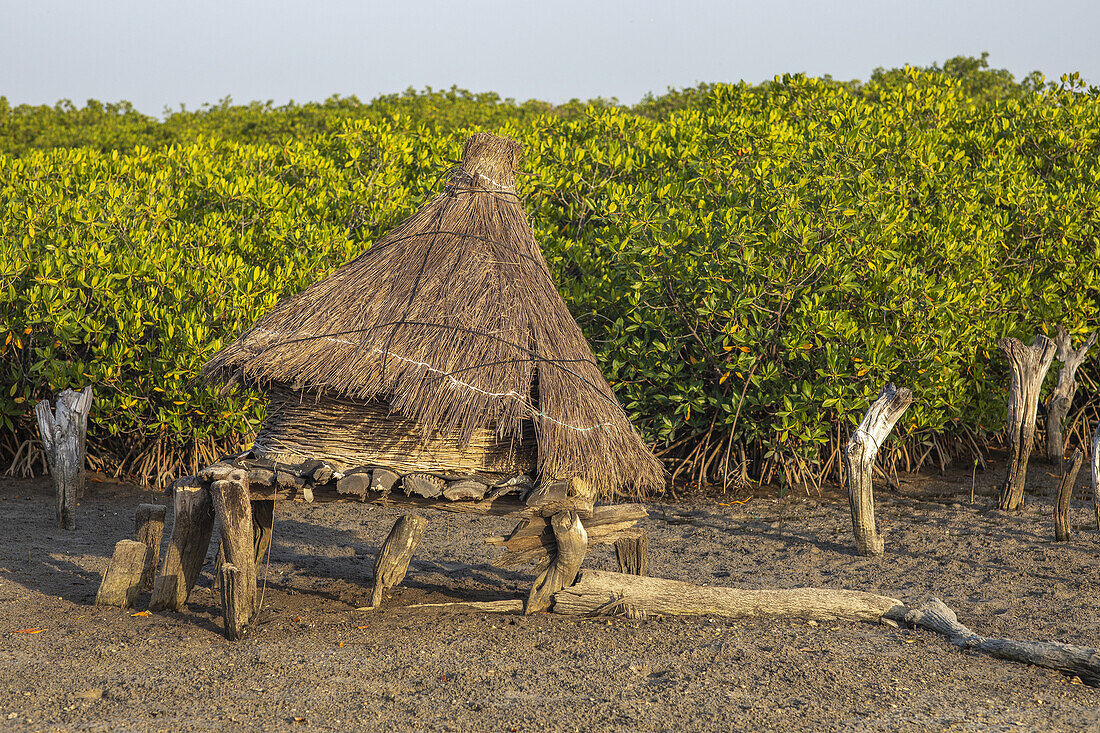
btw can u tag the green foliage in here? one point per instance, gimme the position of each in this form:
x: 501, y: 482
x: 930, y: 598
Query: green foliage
x: 750, y: 263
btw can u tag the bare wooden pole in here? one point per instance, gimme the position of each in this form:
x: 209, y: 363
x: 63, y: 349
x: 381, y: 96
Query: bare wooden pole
x: 122, y: 579
x: 1061, y: 398
x: 192, y: 525
x: 1065, y: 492
x: 63, y: 432
x: 1096, y: 474
x: 572, y: 543
x: 632, y: 552
x: 148, y: 529
x: 1027, y: 368
x: 234, y: 512
x: 393, y: 559
x: 859, y: 457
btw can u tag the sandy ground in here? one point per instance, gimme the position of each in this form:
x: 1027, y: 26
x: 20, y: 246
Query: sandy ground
x: 317, y: 663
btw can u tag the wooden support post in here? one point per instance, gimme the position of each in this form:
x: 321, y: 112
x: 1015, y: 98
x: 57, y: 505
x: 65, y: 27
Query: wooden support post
x: 1027, y: 368
x: 1061, y: 398
x: 572, y: 543
x: 632, y: 552
x: 1096, y: 474
x: 263, y: 520
x: 234, y: 512
x: 393, y: 559
x: 1065, y: 492
x: 122, y: 579
x: 192, y: 524
x: 236, y: 606
x: 859, y: 456
x: 63, y: 434
x: 148, y: 529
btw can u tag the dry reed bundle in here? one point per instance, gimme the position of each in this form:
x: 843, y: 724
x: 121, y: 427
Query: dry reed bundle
x: 453, y: 319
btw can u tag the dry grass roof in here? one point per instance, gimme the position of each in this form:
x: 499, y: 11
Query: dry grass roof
x: 454, y: 319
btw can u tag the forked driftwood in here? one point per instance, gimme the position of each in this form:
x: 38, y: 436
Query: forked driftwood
x: 572, y: 547
x: 1061, y: 398
x: 393, y: 559
x: 1069, y: 471
x: 532, y: 541
x: 859, y: 457
x: 601, y: 593
x: 63, y: 432
x: 192, y: 525
x: 1028, y: 366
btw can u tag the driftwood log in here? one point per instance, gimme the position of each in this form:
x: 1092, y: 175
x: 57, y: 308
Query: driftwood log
x: 393, y: 559
x: 234, y: 512
x: 1061, y: 398
x: 600, y: 593
x: 1069, y: 471
x: 192, y: 525
x: 1095, y: 462
x: 122, y: 580
x: 148, y: 529
x: 63, y: 432
x: 1027, y: 368
x: 572, y: 542
x: 859, y: 456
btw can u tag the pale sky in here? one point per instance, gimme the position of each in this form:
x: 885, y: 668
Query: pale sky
x: 158, y: 54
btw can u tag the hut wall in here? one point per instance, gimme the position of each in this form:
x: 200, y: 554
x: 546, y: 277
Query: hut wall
x: 349, y: 433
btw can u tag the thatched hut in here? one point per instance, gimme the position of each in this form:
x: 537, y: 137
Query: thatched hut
x: 444, y: 349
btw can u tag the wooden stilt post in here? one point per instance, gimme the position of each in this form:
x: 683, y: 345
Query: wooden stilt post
x: 63, y: 432
x: 572, y: 541
x: 1065, y: 492
x: 236, y: 607
x: 632, y: 552
x: 1096, y: 474
x: 192, y: 524
x: 148, y: 529
x: 1061, y: 398
x: 263, y: 520
x: 234, y: 512
x: 1027, y: 368
x: 122, y: 579
x: 859, y: 456
x: 393, y: 559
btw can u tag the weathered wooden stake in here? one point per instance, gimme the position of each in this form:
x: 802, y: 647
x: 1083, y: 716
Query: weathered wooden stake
x: 63, y: 433
x: 632, y: 552
x: 393, y: 559
x: 122, y: 579
x: 1096, y: 474
x: 148, y: 529
x: 234, y: 512
x: 1061, y: 398
x: 1027, y: 368
x: 236, y: 606
x: 1065, y: 491
x: 192, y: 525
x: 263, y: 520
x: 859, y: 457
x: 572, y: 546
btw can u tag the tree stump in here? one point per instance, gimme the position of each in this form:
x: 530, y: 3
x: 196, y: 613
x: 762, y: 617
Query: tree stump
x: 192, y: 525
x: 1027, y: 368
x: 859, y: 456
x: 1061, y: 399
x: 63, y: 433
x: 234, y: 512
x: 1065, y: 491
x: 632, y: 552
x: 122, y: 579
x: 572, y: 543
x: 393, y: 559
x: 148, y: 529
x: 236, y: 606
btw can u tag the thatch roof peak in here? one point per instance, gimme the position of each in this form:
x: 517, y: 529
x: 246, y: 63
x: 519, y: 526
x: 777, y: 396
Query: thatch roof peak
x: 453, y: 318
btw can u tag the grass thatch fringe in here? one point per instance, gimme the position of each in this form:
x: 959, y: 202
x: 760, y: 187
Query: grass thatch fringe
x: 453, y: 319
